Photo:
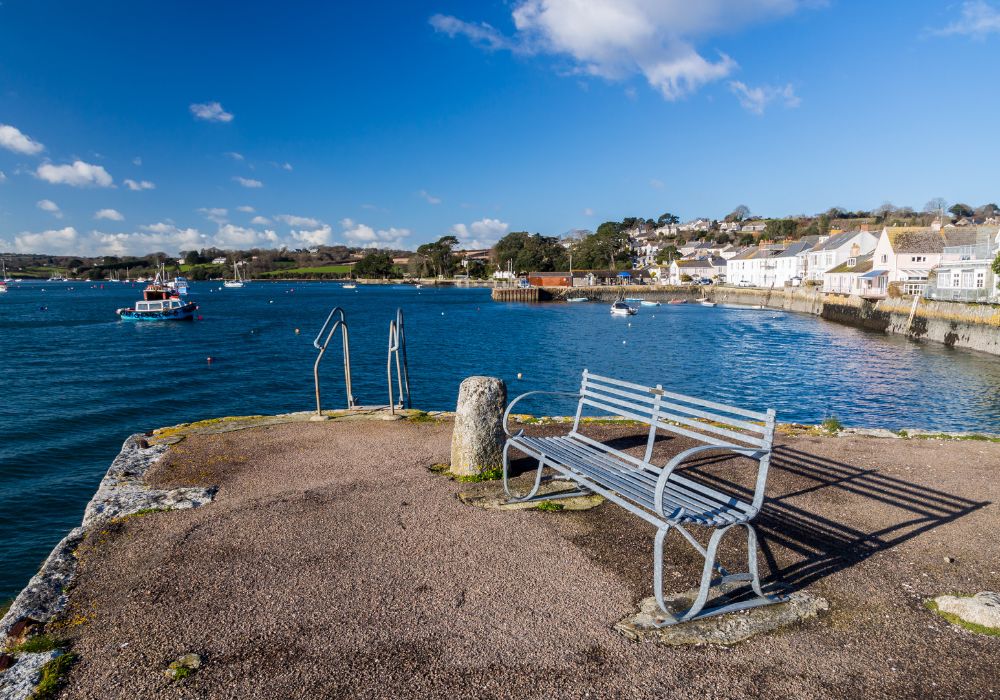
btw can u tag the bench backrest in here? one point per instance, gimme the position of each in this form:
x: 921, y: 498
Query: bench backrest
x: 704, y: 421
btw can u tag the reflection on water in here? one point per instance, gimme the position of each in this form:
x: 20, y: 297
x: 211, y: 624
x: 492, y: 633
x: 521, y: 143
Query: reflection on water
x: 76, y: 381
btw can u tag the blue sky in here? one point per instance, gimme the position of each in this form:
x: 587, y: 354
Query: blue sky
x: 133, y: 127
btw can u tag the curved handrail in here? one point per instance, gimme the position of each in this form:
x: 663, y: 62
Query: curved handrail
x: 339, y: 324
x: 397, y: 349
x: 506, y: 413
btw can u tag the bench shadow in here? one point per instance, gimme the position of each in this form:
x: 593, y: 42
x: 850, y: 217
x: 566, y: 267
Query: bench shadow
x: 823, y: 546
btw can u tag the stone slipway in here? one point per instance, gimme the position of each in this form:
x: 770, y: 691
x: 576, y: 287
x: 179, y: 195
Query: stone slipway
x: 331, y: 562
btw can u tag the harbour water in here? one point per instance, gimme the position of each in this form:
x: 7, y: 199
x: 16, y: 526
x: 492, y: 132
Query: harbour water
x: 76, y: 381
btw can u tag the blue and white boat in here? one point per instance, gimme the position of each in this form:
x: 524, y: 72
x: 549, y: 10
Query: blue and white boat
x: 159, y: 304
x: 179, y: 285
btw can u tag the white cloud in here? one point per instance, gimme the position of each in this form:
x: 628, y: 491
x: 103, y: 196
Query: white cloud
x: 480, y: 234
x: 210, y: 112
x: 216, y: 214
x: 977, y: 19
x: 430, y: 199
x: 299, y: 221
x: 756, y: 99
x: 3, y: 176
x: 49, y: 206
x: 234, y: 155
x: 13, y: 139
x: 260, y: 221
x: 246, y: 209
x: 588, y: 211
x: 53, y: 242
x: 79, y: 174
x: 139, y: 185
x: 615, y: 39
x: 321, y: 235
x: 365, y: 236
x: 286, y: 166
x: 109, y: 214
x: 247, y: 182
x: 137, y: 161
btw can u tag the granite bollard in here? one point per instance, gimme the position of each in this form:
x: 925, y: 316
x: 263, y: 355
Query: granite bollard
x: 477, y: 441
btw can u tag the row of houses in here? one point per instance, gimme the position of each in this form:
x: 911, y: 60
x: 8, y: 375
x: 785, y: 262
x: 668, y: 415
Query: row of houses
x: 949, y: 262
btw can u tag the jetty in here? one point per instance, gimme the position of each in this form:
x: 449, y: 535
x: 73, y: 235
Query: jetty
x: 275, y: 556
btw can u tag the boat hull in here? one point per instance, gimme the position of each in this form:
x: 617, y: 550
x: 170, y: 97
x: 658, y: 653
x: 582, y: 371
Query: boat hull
x: 184, y: 313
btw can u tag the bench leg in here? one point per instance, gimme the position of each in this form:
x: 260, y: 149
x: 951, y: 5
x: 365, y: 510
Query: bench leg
x: 696, y: 611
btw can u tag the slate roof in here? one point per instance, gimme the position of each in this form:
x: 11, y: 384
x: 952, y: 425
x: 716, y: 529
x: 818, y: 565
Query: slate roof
x: 863, y: 263
x: 836, y: 241
x: 797, y: 247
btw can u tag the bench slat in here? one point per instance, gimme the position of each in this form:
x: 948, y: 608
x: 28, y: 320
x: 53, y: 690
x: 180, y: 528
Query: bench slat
x: 701, y: 437
x: 755, y: 415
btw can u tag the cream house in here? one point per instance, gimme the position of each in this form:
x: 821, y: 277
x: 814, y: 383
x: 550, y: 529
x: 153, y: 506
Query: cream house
x: 907, y: 254
x: 835, y: 250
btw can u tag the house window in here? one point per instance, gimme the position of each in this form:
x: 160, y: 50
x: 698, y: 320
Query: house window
x: 851, y: 262
x: 918, y: 258
x: 944, y: 280
x: 885, y: 258
x: 912, y: 288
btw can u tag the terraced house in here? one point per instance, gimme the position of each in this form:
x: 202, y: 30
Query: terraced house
x: 966, y: 271
x: 906, y: 255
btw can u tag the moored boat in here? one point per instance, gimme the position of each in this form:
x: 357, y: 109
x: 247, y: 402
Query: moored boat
x: 238, y: 281
x: 649, y: 303
x: 159, y: 303
x: 620, y: 308
x: 577, y: 300
x: 706, y: 302
x: 676, y: 301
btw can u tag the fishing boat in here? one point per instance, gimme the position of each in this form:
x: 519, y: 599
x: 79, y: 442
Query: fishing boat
x: 676, y: 301
x: 577, y: 300
x: 179, y: 285
x: 159, y: 303
x: 237, y: 282
x: 56, y: 277
x: 620, y: 308
x: 649, y: 303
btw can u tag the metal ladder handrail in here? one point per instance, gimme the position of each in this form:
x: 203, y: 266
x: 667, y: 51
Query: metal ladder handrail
x: 340, y: 323
x: 397, y: 348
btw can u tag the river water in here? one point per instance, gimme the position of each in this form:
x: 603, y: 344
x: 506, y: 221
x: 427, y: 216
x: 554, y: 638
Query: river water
x: 76, y: 381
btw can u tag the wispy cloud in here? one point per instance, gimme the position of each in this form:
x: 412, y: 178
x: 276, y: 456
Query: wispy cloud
x: 49, y: 206
x: 616, y: 39
x: 3, y: 176
x: 260, y: 221
x: 977, y: 18
x: 246, y: 209
x: 756, y: 99
x: 656, y: 184
x: 587, y: 211
x: 429, y: 198
x: 234, y: 155
x: 13, y: 139
x: 137, y: 161
x: 210, y: 112
x: 78, y: 174
x: 299, y: 221
x: 136, y: 185
x: 216, y: 214
x: 248, y: 182
x: 109, y: 214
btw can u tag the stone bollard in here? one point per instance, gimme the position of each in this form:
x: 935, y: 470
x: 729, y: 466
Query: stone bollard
x: 477, y: 442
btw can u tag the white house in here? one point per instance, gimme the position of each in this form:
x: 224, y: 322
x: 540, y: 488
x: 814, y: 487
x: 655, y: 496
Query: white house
x: 221, y: 260
x: 907, y: 254
x: 849, y: 277
x: 790, y: 263
x: 701, y: 268
x: 754, y: 266
x: 966, y: 271
x: 835, y: 251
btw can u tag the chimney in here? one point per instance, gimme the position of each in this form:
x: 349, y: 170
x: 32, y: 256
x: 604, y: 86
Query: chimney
x: 864, y: 227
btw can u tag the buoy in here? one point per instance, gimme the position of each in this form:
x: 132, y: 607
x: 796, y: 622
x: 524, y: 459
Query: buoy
x: 623, y: 342
x: 271, y: 301
x: 209, y: 359
x: 518, y: 375
x: 201, y: 318
x: 296, y: 331
x: 442, y: 313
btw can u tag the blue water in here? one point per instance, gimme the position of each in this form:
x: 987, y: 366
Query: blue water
x: 76, y: 381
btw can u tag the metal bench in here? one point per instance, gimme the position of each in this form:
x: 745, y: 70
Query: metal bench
x: 660, y: 495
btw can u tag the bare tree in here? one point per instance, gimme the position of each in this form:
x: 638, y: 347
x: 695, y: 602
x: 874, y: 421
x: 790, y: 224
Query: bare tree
x: 936, y: 205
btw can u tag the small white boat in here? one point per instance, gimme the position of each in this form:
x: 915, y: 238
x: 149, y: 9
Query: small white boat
x: 3, y: 287
x: 349, y: 285
x: 577, y: 300
x: 706, y: 302
x: 620, y: 308
x: 649, y: 303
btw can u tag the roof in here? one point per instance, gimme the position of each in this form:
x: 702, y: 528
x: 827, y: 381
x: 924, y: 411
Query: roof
x: 794, y: 249
x: 837, y: 240
x: 928, y: 240
x: 697, y: 262
x: 873, y: 274
x: 863, y: 263
x: 753, y: 253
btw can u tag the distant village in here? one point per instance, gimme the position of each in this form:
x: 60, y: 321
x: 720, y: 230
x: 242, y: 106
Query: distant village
x: 952, y: 260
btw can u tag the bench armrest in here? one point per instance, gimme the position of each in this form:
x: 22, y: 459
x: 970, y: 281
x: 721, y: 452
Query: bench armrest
x: 506, y: 414
x: 761, y: 455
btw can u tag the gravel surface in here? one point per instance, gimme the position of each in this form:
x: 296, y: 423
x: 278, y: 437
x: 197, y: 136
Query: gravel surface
x: 333, y: 563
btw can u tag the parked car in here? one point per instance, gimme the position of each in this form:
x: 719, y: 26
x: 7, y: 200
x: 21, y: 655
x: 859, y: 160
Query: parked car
x: 744, y: 283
